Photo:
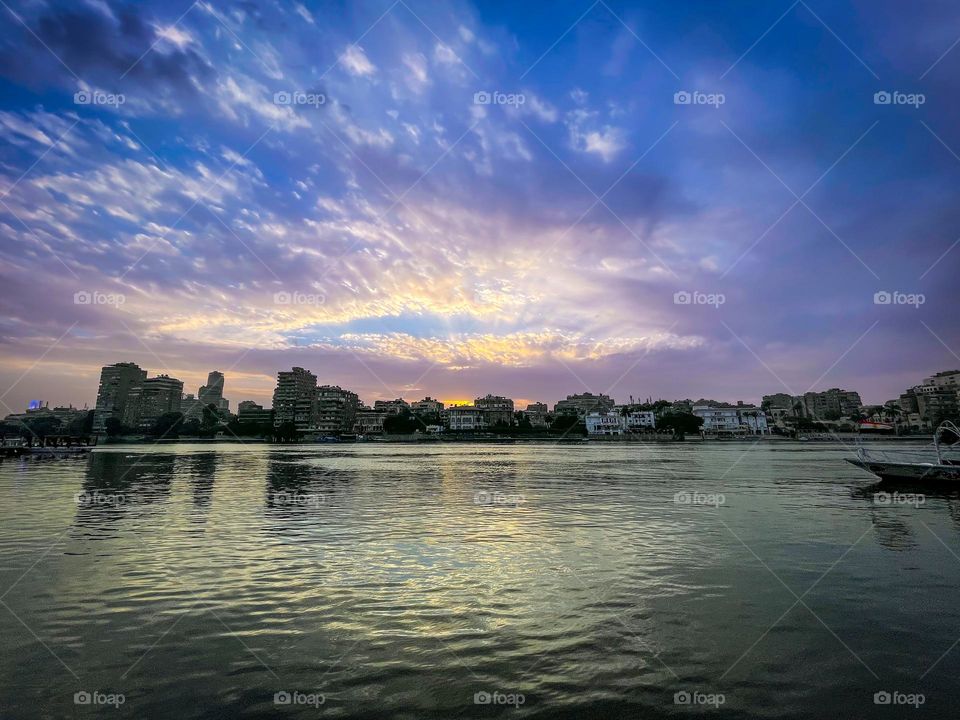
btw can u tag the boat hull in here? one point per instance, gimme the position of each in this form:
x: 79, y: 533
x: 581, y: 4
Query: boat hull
x: 912, y: 472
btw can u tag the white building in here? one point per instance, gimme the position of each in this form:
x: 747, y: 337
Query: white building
x: 605, y: 423
x: 638, y: 420
x: 464, y: 418
x: 732, y: 420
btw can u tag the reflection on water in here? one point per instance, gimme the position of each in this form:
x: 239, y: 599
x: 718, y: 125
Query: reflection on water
x: 402, y: 581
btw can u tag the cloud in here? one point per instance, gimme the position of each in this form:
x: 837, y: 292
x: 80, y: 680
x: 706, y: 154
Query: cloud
x: 417, y: 76
x: 444, y: 54
x: 354, y: 60
x: 587, y: 135
x: 606, y: 143
x: 520, y: 349
x: 237, y: 95
x: 303, y: 12
x: 174, y: 35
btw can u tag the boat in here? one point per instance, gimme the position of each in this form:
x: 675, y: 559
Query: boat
x: 915, y: 467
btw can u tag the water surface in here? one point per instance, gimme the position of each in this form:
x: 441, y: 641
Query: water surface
x: 402, y: 580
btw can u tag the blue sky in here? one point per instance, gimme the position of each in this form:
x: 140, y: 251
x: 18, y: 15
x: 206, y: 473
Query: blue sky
x: 416, y: 198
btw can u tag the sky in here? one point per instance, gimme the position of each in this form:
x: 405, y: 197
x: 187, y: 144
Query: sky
x: 659, y: 199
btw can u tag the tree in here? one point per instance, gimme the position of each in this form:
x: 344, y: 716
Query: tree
x: 211, y: 419
x: 286, y: 432
x: 41, y: 426
x: 190, y: 427
x: 168, y: 425
x: 404, y: 423
x: 113, y: 426
x: 681, y: 424
x: 82, y: 425
x: 568, y: 424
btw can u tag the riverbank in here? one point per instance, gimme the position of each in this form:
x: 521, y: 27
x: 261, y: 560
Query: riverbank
x: 843, y: 438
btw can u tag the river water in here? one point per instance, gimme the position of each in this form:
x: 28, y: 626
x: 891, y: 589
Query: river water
x: 474, y: 580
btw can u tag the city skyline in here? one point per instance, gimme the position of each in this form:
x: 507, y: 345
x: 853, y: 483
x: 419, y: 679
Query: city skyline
x: 609, y: 198
x: 224, y: 403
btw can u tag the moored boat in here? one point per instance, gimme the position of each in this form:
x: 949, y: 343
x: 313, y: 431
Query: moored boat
x: 926, y: 467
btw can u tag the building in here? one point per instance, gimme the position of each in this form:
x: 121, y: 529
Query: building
x: 908, y: 402
x: 427, y: 406
x: 498, y: 410
x: 392, y: 407
x: 293, y: 398
x: 639, y: 420
x: 831, y: 404
x: 537, y: 414
x: 191, y: 407
x: 250, y: 413
x: 335, y: 410
x: 116, y: 383
x: 212, y: 392
x: 737, y: 419
x: 948, y: 379
x: 605, y: 423
x: 936, y: 406
x: 584, y: 403
x: 465, y: 418
x: 781, y: 405
x: 155, y: 397
x: 369, y: 421
x: 37, y: 409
